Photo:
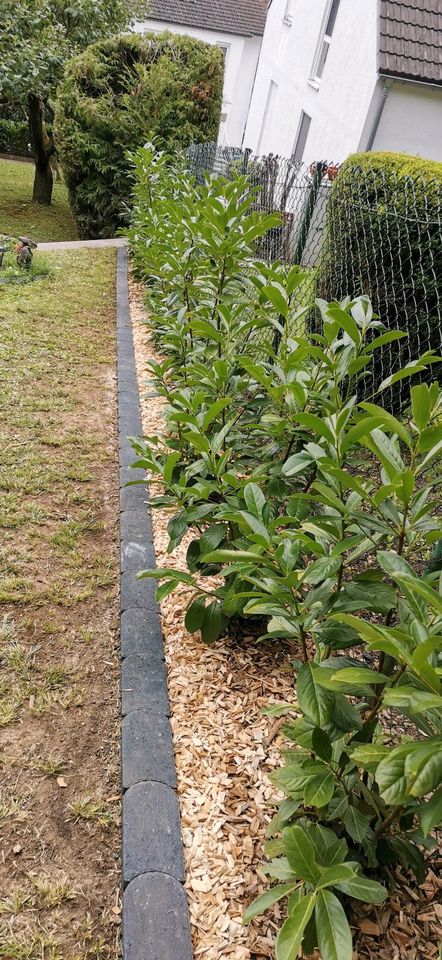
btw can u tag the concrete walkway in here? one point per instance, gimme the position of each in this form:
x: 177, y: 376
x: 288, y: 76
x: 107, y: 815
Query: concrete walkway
x: 83, y: 244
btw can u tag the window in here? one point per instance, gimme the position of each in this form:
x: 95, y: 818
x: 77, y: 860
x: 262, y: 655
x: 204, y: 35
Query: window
x: 224, y: 47
x: 267, y: 112
x: 288, y: 13
x: 301, y: 136
x: 324, y: 43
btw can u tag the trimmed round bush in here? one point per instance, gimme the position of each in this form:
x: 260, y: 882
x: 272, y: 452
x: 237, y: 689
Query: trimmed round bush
x: 382, y: 238
x: 120, y: 93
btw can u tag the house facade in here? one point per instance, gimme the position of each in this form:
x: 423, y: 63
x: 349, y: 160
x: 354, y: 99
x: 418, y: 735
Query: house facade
x: 237, y: 27
x: 338, y: 76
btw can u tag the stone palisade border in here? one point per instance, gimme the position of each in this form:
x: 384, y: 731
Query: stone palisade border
x: 155, y: 911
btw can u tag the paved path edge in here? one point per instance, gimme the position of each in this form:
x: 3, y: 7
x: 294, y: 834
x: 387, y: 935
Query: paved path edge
x: 155, y: 910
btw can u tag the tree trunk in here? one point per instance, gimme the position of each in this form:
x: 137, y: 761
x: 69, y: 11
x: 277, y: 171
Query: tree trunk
x: 43, y: 148
x: 43, y: 182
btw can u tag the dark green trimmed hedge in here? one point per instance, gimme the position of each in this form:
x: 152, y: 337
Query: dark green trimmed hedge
x: 14, y: 137
x: 382, y: 237
x: 119, y: 94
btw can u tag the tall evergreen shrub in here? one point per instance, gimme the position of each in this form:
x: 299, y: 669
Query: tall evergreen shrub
x: 119, y: 94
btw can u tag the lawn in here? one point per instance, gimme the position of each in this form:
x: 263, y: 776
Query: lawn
x: 20, y: 216
x: 59, y: 808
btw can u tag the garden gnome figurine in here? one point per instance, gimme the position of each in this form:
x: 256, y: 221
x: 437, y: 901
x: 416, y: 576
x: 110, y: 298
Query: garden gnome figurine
x: 24, y: 252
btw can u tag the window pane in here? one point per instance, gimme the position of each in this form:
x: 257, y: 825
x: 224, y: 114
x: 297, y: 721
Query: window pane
x: 323, y: 54
x: 332, y: 18
x: 301, y: 139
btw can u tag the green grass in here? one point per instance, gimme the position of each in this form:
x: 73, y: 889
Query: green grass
x: 20, y: 216
x: 58, y: 578
x: 55, y: 336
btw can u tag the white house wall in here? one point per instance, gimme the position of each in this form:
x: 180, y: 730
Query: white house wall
x: 240, y: 67
x: 411, y: 121
x: 339, y: 106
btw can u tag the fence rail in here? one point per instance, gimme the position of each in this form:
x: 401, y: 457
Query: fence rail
x: 369, y: 231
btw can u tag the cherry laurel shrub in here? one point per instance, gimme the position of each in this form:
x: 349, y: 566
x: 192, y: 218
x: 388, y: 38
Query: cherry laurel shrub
x: 312, y: 514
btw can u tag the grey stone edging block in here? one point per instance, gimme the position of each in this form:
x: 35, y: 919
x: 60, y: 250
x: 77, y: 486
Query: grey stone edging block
x: 147, y: 749
x: 135, y: 524
x: 144, y: 685
x: 136, y: 555
x: 151, y: 831
x: 133, y: 497
x: 155, y: 919
x: 135, y: 592
x: 141, y: 634
x: 155, y: 911
x: 127, y: 475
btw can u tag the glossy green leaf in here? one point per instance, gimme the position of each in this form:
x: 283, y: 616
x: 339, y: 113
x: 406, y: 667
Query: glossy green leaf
x: 354, y: 677
x: 334, y: 935
x: 254, y: 499
x: 321, y: 744
x: 319, y: 790
x: 292, y: 931
x: 357, y: 823
x: 300, y: 853
x: 321, y: 569
x: 267, y: 899
x: 314, y: 700
x: 421, y: 405
x: 430, y: 813
x: 369, y: 755
x: 411, y: 699
x: 423, y: 768
x: 195, y: 615
x: 332, y: 875
x: 362, y: 888
x: 212, y: 623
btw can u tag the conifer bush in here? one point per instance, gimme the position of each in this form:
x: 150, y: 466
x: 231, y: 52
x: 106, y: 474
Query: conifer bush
x: 115, y: 96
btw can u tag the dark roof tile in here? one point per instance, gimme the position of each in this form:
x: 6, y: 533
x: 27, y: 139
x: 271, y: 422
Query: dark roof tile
x: 244, y: 18
x: 410, y: 39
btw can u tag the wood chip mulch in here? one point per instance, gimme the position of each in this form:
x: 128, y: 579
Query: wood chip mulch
x: 224, y: 751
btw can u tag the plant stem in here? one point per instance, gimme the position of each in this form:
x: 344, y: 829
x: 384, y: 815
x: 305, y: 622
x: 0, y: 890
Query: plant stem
x: 383, y: 827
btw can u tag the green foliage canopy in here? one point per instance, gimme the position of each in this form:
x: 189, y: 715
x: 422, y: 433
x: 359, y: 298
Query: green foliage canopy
x: 117, y: 95
x: 382, y: 238
x: 316, y: 511
x: 38, y: 37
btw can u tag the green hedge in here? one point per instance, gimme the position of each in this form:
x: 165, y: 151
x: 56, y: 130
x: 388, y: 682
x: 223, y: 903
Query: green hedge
x: 14, y: 137
x: 382, y: 238
x: 119, y: 94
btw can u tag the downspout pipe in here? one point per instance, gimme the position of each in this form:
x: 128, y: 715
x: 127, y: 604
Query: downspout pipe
x: 367, y: 141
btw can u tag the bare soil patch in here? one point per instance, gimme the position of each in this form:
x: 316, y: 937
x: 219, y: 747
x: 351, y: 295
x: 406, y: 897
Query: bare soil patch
x: 59, y: 703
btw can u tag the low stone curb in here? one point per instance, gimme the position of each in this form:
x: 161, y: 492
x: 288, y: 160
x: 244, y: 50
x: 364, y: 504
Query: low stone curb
x: 82, y: 244
x: 155, y: 911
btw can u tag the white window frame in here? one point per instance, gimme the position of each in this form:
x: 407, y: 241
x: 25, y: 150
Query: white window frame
x: 304, y: 121
x: 226, y: 48
x: 288, y: 13
x: 323, y: 44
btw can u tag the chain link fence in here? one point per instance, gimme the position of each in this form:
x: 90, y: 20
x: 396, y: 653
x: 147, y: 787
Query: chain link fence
x: 369, y: 231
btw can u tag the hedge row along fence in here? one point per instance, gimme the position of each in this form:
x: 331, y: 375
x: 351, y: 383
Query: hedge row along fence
x: 313, y: 516
x: 117, y: 95
x: 373, y: 226
x: 15, y: 138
